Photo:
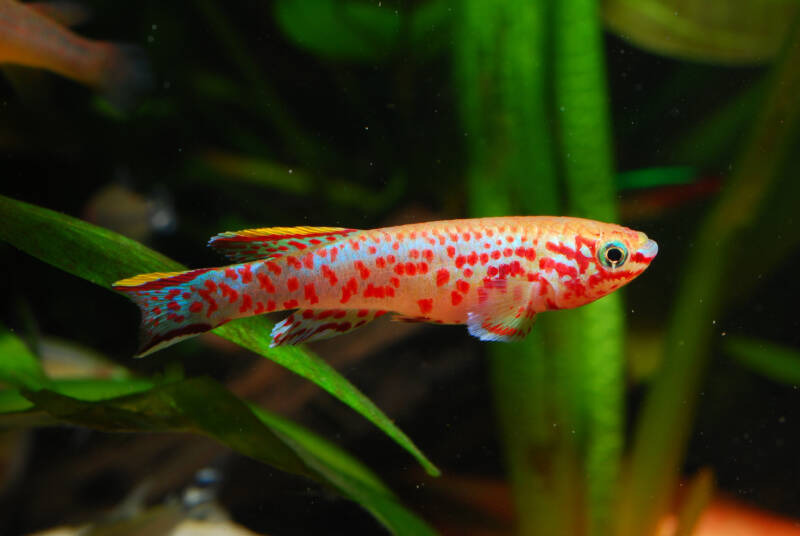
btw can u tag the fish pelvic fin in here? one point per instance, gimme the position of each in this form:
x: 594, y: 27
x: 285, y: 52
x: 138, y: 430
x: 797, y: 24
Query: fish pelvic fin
x: 504, y: 312
x: 174, y: 307
x: 253, y: 244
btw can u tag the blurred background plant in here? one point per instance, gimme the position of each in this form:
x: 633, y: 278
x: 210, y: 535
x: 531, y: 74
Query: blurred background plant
x: 675, y: 117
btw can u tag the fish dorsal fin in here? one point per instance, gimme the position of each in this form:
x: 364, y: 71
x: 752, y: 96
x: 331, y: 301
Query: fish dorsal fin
x: 253, y: 244
x: 504, y: 311
x: 306, y: 325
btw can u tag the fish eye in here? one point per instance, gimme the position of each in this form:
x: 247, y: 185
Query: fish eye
x: 613, y: 254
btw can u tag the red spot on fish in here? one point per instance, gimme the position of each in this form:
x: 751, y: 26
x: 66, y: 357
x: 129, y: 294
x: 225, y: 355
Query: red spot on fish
x: 466, y: 236
x: 455, y: 297
x: 350, y: 288
x: 172, y: 294
x: 422, y: 267
x: 229, y: 292
x: 173, y: 306
x: 395, y: 282
x: 186, y: 295
x: 426, y: 305
x: 311, y: 293
x: 246, y: 274
x: 355, y: 245
x: 296, y: 244
x: 259, y: 308
x: 491, y: 271
x: 468, y: 272
x: 400, y: 269
x: 291, y: 304
x: 270, y: 306
x: 560, y: 268
x: 460, y: 260
x: 428, y: 255
x: 396, y: 246
x: 641, y: 259
x: 380, y: 262
x: 308, y: 260
x: 372, y: 250
x: 414, y: 254
x: 322, y: 252
x: 247, y: 303
x: 519, y: 252
x: 156, y: 310
x: 390, y: 259
x: 196, y: 307
x: 389, y: 290
x: 292, y: 284
x: 308, y: 313
x: 484, y: 258
x: 274, y: 268
x: 339, y: 313
x: 530, y: 254
x: 329, y: 274
x: 496, y: 254
x: 363, y: 270
x: 362, y: 312
x: 230, y: 274
x: 334, y: 252
x: 293, y: 262
x: 508, y: 252
x: 442, y: 277
x: 451, y: 251
x: 265, y: 283
x: 472, y: 258
x: 462, y: 286
x: 315, y: 241
x: 489, y: 233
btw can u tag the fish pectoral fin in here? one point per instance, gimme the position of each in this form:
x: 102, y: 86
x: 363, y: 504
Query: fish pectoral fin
x: 504, y: 311
x: 306, y: 325
x: 252, y: 244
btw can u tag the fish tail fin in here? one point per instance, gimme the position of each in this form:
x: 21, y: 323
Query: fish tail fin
x: 173, y: 307
x: 126, y: 75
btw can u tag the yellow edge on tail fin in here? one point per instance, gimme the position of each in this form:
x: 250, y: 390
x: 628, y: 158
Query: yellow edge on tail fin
x: 141, y: 279
x: 280, y: 231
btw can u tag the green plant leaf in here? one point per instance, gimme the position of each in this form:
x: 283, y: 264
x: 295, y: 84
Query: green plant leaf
x: 18, y: 366
x: 726, y: 31
x: 773, y: 361
x: 184, y: 407
x: 340, y: 30
x: 102, y: 257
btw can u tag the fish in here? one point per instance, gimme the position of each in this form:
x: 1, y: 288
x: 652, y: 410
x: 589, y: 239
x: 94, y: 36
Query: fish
x: 33, y: 35
x: 492, y: 274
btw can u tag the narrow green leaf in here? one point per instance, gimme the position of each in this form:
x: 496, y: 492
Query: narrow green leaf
x: 340, y: 30
x: 773, y: 361
x: 18, y: 366
x: 102, y: 257
x: 726, y: 31
x: 184, y: 407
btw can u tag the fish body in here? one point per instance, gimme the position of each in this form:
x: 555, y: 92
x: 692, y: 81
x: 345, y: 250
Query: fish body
x: 492, y: 274
x: 32, y: 35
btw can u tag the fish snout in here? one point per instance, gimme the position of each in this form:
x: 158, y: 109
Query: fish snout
x: 648, y: 251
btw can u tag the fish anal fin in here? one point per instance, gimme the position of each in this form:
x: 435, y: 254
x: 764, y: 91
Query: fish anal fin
x: 505, y: 310
x: 307, y: 325
x: 252, y: 244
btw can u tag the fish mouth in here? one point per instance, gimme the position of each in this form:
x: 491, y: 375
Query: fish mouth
x: 649, y: 249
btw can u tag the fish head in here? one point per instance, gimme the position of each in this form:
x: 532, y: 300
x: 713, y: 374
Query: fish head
x: 619, y: 255
x: 584, y: 260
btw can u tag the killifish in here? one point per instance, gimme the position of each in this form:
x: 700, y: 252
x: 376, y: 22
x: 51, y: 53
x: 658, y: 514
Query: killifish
x: 32, y: 35
x: 492, y: 274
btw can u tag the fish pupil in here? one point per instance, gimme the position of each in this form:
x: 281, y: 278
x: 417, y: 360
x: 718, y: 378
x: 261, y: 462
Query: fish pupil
x: 614, y: 255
